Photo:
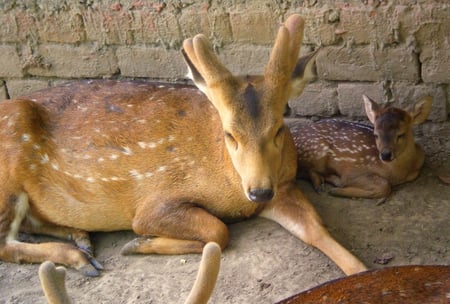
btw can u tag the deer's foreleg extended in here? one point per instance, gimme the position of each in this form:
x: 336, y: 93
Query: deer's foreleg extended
x: 294, y: 212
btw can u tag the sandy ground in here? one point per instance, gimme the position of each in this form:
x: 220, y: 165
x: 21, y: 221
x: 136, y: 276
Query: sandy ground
x: 264, y: 263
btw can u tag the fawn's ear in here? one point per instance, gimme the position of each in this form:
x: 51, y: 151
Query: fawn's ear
x: 372, y: 108
x: 304, y: 72
x: 421, y: 109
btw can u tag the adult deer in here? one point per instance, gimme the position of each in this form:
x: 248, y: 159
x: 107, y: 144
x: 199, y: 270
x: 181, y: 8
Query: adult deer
x: 161, y: 160
x: 358, y: 160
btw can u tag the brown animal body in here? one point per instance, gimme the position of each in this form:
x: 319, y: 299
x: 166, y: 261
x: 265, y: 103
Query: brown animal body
x: 393, y: 285
x: 162, y: 160
x: 359, y: 160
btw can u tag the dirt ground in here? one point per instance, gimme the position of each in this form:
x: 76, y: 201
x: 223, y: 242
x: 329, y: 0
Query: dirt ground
x: 264, y: 263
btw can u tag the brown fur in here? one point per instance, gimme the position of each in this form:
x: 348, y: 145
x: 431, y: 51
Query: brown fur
x: 394, y: 285
x: 162, y: 160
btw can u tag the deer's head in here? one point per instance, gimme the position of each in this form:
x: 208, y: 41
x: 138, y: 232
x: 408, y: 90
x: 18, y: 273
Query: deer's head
x: 393, y: 126
x: 251, y: 108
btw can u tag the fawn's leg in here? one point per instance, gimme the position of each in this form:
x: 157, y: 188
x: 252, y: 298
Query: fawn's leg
x: 178, y: 228
x: 293, y: 211
x: 365, y: 186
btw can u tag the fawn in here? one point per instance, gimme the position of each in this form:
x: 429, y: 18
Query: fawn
x: 360, y: 161
x: 53, y: 278
x: 169, y: 162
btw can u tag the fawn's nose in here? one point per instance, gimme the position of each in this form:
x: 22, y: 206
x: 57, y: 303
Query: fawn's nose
x: 386, y: 155
x: 260, y: 195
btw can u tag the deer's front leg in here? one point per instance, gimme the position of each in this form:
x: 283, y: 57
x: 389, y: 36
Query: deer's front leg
x: 175, y: 228
x: 293, y: 211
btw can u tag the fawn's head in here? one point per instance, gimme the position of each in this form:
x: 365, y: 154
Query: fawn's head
x: 251, y: 108
x: 393, y: 126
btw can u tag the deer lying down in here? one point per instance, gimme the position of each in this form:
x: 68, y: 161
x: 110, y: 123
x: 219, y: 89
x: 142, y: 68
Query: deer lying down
x: 53, y: 278
x: 360, y: 161
x: 169, y: 162
x: 393, y: 285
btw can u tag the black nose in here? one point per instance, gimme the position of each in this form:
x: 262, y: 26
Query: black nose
x: 260, y: 195
x: 386, y: 155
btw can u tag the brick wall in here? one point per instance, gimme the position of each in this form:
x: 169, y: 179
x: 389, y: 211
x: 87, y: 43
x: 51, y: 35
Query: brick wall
x: 393, y: 51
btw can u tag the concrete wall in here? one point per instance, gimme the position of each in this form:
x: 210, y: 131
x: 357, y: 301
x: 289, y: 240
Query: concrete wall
x: 393, y: 51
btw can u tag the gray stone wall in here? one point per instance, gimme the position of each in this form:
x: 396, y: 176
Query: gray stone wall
x: 393, y: 51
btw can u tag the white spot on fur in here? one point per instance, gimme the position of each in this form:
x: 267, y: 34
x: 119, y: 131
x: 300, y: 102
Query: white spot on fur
x: 100, y: 159
x: 142, y: 144
x: 127, y: 151
x: 136, y: 175
x: 25, y: 137
x: 44, y: 159
x: 162, y: 168
x: 36, y: 147
x: 90, y: 180
x: 113, y: 156
x: 55, y: 166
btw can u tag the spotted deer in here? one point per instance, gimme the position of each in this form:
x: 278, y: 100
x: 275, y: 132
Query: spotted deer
x: 358, y: 160
x: 170, y: 162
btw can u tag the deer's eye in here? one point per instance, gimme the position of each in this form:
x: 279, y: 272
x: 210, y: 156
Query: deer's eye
x: 278, y: 136
x: 400, y: 136
x: 230, y: 139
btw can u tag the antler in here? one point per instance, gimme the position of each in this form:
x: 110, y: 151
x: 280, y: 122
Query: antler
x: 206, y: 275
x: 53, y: 283
x: 200, y: 53
x: 285, y: 51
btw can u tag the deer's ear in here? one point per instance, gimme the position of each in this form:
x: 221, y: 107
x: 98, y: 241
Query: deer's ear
x: 421, y: 109
x: 372, y: 108
x: 304, y: 72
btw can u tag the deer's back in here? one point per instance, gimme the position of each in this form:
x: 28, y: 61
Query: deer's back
x: 105, y: 148
x: 335, y: 147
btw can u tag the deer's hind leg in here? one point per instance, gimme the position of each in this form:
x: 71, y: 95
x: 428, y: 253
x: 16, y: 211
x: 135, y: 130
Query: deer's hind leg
x: 365, y: 186
x: 176, y: 228
x: 13, y: 210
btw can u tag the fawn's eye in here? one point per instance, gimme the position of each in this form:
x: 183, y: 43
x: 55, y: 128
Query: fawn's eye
x: 400, y: 136
x: 279, y: 132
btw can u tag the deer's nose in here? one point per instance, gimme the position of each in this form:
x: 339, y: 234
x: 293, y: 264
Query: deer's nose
x: 386, y: 155
x: 260, y: 195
